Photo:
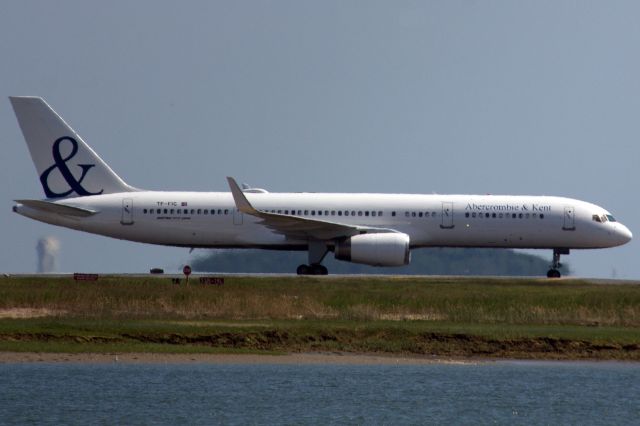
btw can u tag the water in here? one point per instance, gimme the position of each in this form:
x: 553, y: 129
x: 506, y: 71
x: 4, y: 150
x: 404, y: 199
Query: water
x: 491, y: 393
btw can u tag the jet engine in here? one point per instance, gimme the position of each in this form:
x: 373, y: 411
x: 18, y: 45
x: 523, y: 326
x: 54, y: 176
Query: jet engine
x: 383, y: 249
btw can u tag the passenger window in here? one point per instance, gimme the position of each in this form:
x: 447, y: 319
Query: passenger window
x: 366, y: 213
x: 226, y: 211
x: 541, y: 215
x: 360, y: 213
x: 171, y: 211
x: 393, y: 214
x: 353, y: 213
x: 373, y: 214
x: 406, y: 214
x: 206, y: 211
x: 466, y: 214
x: 333, y: 212
x: 339, y: 212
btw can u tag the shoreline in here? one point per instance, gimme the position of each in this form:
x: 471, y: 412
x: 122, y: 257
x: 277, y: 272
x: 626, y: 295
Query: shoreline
x: 304, y: 358
x: 309, y: 358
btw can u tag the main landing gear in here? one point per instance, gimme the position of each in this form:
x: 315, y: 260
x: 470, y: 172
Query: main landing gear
x: 317, y: 251
x: 555, y: 265
x: 313, y: 269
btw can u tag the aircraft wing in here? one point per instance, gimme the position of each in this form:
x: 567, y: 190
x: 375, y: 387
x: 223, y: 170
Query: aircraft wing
x: 297, y: 227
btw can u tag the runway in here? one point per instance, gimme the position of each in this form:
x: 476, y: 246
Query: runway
x: 196, y: 275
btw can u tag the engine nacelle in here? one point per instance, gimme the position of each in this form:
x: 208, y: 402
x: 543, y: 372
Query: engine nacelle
x: 383, y: 249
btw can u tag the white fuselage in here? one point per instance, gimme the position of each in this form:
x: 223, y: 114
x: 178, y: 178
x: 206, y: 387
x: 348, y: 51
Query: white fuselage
x: 211, y: 219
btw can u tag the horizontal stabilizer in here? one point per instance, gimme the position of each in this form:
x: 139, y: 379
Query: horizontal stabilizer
x: 50, y: 207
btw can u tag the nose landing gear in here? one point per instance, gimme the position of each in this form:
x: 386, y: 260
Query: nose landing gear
x: 555, y: 265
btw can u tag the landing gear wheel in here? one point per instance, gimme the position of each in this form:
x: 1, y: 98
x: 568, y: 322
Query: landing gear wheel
x: 319, y: 270
x: 553, y: 273
x: 316, y: 269
x: 303, y: 270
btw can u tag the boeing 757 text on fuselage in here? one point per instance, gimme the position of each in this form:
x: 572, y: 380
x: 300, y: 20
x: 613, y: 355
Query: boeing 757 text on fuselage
x: 83, y: 193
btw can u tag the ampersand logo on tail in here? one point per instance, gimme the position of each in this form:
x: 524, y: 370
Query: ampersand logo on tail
x: 60, y: 163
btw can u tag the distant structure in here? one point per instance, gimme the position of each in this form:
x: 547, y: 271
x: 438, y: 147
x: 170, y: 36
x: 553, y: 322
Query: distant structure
x: 47, y: 249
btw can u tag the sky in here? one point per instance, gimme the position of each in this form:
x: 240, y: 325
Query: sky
x: 483, y: 97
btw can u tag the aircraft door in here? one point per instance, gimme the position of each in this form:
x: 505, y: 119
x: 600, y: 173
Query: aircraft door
x: 569, y: 223
x: 447, y: 215
x: 127, y: 212
x: 237, y: 217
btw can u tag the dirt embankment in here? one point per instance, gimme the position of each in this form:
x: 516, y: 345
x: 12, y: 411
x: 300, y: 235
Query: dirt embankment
x: 432, y: 344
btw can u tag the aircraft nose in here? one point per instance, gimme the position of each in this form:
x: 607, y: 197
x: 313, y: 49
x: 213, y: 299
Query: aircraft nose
x: 623, y: 234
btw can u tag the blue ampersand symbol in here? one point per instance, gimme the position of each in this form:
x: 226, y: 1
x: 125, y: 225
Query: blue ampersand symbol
x: 61, y: 164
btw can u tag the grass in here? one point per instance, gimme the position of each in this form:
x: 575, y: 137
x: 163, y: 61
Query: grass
x: 527, y: 318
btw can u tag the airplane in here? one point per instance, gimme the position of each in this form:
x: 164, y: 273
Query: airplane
x: 82, y: 192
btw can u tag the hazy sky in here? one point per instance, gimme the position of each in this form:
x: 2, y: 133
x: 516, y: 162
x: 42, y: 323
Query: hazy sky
x: 497, y: 97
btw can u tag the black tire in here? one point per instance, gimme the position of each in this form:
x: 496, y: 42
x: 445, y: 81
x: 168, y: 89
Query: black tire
x: 303, y: 270
x: 553, y: 273
x: 319, y: 270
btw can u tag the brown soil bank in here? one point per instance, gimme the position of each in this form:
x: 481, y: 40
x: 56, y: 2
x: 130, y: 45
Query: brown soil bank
x: 278, y: 341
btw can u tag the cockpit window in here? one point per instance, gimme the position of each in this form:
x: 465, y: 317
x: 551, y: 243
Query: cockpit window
x: 611, y: 218
x: 596, y: 218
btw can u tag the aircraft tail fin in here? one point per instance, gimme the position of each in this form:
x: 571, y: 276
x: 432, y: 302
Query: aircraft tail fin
x: 67, y: 166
